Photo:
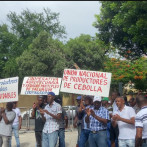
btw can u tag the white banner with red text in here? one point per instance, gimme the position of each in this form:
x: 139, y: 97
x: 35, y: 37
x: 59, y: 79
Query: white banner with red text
x: 86, y: 82
x: 9, y: 90
x: 40, y: 85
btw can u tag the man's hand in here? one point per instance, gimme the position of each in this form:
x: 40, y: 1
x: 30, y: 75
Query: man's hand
x: 2, y: 110
x: 19, y: 127
x: 117, y: 117
x: 42, y: 112
x: 92, y: 113
x: 114, y: 118
x: 88, y: 111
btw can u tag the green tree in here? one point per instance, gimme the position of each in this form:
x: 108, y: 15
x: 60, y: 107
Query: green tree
x: 23, y: 30
x: 29, y: 24
x: 45, y: 57
x: 125, y: 71
x: 123, y: 24
x: 9, y: 49
x: 86, y: 52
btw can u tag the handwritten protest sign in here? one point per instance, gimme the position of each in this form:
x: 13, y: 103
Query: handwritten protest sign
x: 9, y: 90
x: 40, y: 85
x: 86, y: 82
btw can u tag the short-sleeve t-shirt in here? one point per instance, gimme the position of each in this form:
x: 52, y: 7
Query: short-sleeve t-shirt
x: 126, y: 131
x: 52, y: 124
x: 18, y: 113
x: 141, y: 121
x: 6, y: 129
x: 39, y: 123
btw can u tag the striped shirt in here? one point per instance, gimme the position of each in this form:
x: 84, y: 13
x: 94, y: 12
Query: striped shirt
x: 141, y: 121
x: 83, y: 115
x: 96, y: 125
x: 52, y: 124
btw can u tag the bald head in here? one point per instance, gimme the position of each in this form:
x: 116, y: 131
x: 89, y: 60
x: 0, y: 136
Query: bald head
x: 141, y: 100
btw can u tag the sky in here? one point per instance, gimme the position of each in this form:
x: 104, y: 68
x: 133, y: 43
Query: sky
x: 76, y: 16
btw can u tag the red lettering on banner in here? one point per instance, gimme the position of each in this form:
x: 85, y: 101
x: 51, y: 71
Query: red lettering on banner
x: 87, y: 87
x: 9, y: 95
x: 105, y: 82
x: 65, y: 78
x: 28, y: 89
x: 67, y: 85
x: 70, y: 72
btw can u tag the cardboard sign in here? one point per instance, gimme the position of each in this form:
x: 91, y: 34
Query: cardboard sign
x: 40, y: 85
x: 9, y: 90
x: 86, y: 82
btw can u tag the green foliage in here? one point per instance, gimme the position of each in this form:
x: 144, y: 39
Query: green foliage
x: 29, y: 24
x: 23, y: 30
x: 125, y: 71
x: 124, y: 23
x: 9, y: 49
x: 44, y: 57
x: 86, y: 52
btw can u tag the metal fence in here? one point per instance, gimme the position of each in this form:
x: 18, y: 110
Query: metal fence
x: 28, y: 123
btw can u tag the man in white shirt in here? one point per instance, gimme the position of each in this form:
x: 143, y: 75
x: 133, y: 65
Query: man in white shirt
x: 141, y: 122
x: 16, y: 126
x: 51, y: 114
x: 124, y: 117
x: 7, y: 117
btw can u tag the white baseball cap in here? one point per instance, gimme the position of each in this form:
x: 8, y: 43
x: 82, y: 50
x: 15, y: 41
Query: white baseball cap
x: 97, y: 98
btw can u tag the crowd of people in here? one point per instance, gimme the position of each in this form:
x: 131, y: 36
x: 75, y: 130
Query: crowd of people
x: 101, y: 121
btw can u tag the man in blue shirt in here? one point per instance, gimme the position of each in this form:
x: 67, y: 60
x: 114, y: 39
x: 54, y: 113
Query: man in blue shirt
x: 98, y: 117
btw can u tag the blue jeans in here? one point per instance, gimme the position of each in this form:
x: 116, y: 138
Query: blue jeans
x: 98, y: 139
x: 126, y: 142
x: 15, y: 130
x: 108, y: 134
x: 79, y: 132
x: 144, y: 144
x: 49, y: 139
x: 84, y: 138
x: 61, y: 134
x: 5, y: 141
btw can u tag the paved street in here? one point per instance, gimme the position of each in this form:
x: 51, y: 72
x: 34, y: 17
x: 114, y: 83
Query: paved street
x: 27, y: 139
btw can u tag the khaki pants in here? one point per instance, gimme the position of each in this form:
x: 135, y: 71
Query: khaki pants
x: 4, y: 140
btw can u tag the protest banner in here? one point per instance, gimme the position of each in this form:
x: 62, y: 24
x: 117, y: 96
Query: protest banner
x: 40, y: 85
x: 86, y: 82
x: 9, y: 90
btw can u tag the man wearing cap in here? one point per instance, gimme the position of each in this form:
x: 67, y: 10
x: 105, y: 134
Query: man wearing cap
x: 77, y: 119
x: 51, y: 115
x: 39, y: 123
x: 98, y: 117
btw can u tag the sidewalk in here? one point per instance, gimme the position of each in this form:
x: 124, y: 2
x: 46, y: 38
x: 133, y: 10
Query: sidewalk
x: 27, y: 139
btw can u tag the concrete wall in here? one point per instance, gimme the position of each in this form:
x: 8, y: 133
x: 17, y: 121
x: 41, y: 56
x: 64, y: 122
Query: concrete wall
x: 28, y: 100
